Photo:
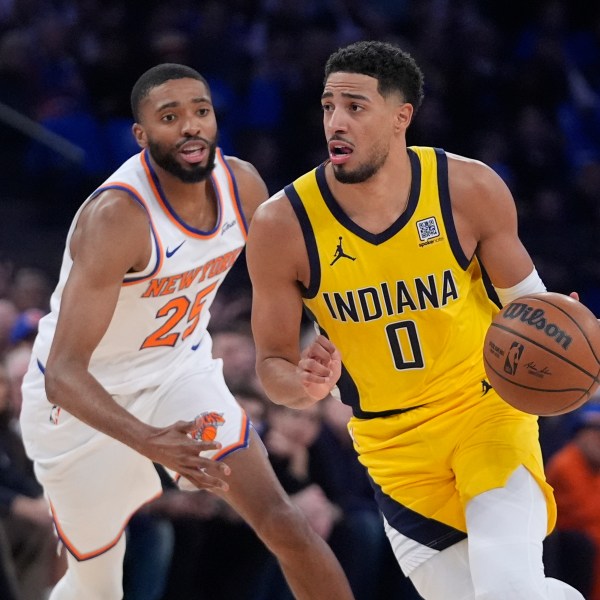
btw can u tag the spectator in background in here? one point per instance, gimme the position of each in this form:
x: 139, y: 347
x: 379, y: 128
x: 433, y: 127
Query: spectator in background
x: 30, y: 288
x: 25, y: 327
x: 17, y: 361
x: 574, y: 473
x: 8, y: 318
x: 24, y: 512
x: 234, y: 345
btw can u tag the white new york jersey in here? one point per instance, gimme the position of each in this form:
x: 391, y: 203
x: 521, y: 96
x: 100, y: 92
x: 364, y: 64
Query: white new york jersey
x: 162, y: 313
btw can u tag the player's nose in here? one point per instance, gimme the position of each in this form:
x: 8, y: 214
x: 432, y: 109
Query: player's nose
x: 336, y: 121
x: 191, y: 126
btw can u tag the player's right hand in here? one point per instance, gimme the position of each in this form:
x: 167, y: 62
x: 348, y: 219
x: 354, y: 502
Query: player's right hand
x: 320, y: 367
x: 173, y: 448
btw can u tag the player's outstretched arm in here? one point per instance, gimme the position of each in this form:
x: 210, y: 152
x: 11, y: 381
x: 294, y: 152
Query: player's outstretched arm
x: 278, y: 266
x: 112, y: 237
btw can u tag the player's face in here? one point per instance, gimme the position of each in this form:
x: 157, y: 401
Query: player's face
x: 179, y: 127
x: 358, y: 123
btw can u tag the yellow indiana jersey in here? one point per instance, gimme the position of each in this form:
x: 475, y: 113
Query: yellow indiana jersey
x: 406, y: 308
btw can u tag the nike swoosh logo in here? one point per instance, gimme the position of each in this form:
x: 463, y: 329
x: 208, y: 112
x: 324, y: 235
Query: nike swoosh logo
x: 170, y: 253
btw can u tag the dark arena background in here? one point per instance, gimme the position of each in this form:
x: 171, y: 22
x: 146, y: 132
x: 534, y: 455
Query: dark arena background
x: 515, y: 84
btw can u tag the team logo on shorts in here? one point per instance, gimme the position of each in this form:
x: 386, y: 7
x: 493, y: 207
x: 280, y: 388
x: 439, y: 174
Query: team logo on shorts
x: 206, y: 426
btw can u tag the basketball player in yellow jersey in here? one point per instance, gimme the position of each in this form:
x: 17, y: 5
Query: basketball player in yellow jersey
x: 381, y: 245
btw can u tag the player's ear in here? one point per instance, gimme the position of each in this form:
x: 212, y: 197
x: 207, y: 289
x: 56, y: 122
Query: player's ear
x: 403, y: 116
x: 140, y: 135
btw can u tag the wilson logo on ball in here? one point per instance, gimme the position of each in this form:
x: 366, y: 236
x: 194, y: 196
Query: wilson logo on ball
x: 536, y: 317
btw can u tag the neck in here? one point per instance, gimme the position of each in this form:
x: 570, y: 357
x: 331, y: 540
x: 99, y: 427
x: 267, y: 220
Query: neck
x: 384, y: 195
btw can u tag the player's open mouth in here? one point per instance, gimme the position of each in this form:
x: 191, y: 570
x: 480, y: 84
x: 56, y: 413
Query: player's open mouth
x: 339, y: 152
x: 193, y: 152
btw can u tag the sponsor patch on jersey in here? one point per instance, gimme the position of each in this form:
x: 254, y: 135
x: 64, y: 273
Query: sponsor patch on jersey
x: 428, y: 229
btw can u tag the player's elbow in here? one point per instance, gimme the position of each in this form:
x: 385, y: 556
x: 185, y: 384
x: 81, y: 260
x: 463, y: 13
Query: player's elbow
x: 52, y: 383
x: 56, y: 377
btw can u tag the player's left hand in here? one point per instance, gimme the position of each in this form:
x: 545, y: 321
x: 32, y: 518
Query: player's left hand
x: 175, y: 448
x: 320, y: 367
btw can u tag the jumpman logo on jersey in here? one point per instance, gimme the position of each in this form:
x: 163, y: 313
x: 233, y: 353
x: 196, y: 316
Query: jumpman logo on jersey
x: 339, y: 253
x: 486, y: 386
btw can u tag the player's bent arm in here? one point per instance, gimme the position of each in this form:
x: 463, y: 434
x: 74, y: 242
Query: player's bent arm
x: 112, y: 237
x: 486, y: 220
x: 252, y: 189
x: 274, y: 254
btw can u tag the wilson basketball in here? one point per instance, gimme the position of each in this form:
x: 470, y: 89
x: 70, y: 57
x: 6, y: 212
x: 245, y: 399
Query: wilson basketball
x: 542, y: 353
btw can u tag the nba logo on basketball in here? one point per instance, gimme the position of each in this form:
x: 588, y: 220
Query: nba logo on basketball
x: 512, y: 358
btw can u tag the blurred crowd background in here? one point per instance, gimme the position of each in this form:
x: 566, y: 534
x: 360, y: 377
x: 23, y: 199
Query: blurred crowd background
x: 514, y: 84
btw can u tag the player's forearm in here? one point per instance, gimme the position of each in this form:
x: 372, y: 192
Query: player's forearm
x: 82, y: 396
x: 282, y: 383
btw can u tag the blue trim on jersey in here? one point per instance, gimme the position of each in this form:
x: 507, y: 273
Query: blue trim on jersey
x: 446, y: 206
x: 401, y: 221
x: 170, y: 208
x: 41, y: 366
x: 240, y: 446
x: 429, y: 532
x: 134, y: 277
x: 309, y: 240
x: 235, y: 192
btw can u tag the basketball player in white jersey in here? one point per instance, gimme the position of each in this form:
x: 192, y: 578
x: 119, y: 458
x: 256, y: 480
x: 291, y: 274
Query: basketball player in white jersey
x: 122, y: 374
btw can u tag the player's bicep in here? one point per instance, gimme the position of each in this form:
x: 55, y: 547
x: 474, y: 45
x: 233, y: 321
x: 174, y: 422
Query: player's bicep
x: 499, y: 247
x: 108, y: 242
x: 87, y: 306
x: 506, y: 260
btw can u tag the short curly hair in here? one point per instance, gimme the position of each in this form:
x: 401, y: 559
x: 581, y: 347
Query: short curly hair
x: 157, y: 76
x: 394, y: 69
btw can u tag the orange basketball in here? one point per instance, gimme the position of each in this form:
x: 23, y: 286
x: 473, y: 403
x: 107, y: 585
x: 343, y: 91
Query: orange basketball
x: 542, y: 353
x: 209, y: 433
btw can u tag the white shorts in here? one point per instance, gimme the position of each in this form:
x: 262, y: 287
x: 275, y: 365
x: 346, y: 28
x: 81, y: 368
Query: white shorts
x: 95, y: 483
